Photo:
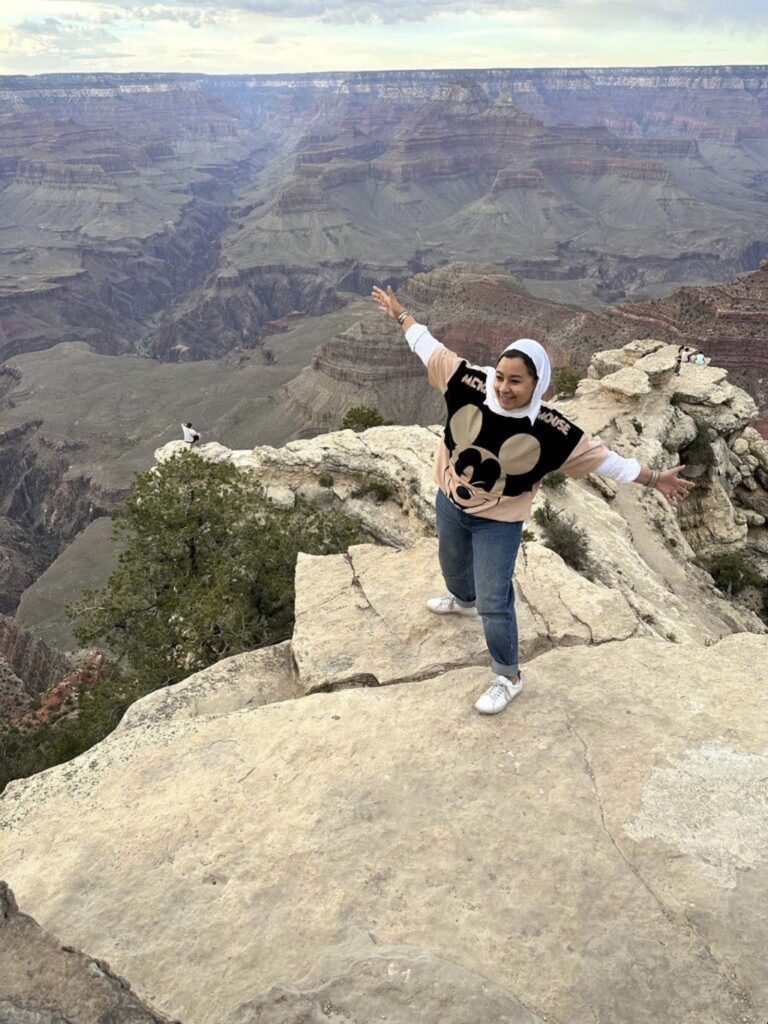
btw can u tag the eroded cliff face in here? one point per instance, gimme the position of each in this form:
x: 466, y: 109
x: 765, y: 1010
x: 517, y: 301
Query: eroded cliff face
x: 178, y: 215
x: 28, y: 667
x: 43, y: 506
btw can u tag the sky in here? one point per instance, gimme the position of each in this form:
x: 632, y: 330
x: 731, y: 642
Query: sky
x: 267, y: 36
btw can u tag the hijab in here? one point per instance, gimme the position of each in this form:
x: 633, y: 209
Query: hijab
x: 540, y: 360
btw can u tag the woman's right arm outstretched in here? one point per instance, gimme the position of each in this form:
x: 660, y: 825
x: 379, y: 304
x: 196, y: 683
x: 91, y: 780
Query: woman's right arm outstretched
x: 420, y: 341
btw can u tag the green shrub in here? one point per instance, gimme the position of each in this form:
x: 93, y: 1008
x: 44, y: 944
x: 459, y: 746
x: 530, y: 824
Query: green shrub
x: 325, y: 480
x: 527, y: 536
x: 565, y: 380
x: 555, y: 481
x: 361, y: 417
x: 562, y: 536
x: 637, y: 425
x: 207, y: 571
x: 732, y: 573
x: 374, y: 489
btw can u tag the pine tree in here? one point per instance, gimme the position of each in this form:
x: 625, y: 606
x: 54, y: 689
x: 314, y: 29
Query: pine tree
x: 207, y: 570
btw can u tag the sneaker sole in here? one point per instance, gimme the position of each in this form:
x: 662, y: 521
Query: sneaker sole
x: 453, y: 611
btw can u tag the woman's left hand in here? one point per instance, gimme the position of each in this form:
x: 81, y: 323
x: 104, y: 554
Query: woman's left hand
x: 674, y: 487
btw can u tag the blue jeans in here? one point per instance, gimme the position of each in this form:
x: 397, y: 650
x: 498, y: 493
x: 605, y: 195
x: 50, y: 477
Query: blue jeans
x: 477, y: 559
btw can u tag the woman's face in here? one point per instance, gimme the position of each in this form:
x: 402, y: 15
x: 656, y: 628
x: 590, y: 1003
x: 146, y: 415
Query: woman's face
x: 514, y: 383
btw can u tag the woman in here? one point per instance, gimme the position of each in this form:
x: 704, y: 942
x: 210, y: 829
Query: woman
x: 499, y: 442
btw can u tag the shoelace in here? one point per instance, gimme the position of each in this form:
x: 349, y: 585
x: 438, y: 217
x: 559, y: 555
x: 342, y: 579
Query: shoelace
x: 499, y: 690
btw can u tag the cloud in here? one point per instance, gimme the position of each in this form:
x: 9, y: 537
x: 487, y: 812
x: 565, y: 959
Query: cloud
x: 51, y: 36
x: 198, y: 13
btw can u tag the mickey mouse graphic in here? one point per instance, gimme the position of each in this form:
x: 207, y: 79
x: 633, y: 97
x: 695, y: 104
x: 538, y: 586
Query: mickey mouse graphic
x: 491, y: 459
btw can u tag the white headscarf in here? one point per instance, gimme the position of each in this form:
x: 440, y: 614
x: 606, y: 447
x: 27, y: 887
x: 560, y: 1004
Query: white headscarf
x: 540, y: 360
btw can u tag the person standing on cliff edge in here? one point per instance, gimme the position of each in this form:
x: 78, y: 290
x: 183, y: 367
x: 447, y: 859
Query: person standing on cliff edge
x: 499, y: 442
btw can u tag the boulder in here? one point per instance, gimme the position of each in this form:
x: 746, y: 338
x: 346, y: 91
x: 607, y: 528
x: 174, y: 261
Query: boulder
x: 637, y: 350
x: 248, y: 680
x: 659, y: 364
x: 701, y: 384
x: 732, y: 414
x: 606, y: 362
x: 627, y: 383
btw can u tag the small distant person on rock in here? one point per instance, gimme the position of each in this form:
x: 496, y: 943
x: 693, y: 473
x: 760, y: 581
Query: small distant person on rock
x: 498, y: 444
x: 190, y: 436
x: 700, y: 359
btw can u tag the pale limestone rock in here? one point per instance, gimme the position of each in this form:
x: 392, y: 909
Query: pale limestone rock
x: 248, y: 680
x: 627, y: 383
x: 361, y: 619
x: 359, y: 981
x: 573, y: 609
x: 752, y: 518
x: 606, y: 362
x: 636, y: 350
x: 680, y: 431
x: 696, y: 384
x: 740, y: 446
x: 659, y: 364
x: 758, y: 446
x: 283, y: 497
x: 608, y: 488
x: 733, y: 414
x: 626, y: 780
x: 711, y: 523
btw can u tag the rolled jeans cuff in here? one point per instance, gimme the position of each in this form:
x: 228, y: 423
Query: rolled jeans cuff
x: 503, y: 670
x: 463, y: 604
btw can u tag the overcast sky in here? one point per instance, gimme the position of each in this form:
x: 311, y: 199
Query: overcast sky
x: 260, y: 36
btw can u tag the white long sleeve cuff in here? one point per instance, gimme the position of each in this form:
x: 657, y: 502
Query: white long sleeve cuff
x: 421, y: 342
x: 617, y: 468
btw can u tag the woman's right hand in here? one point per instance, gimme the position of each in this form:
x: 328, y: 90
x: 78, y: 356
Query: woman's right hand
x: 387, y: 302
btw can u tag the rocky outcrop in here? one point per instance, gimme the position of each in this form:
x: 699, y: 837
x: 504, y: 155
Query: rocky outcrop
x: 696, y: 417
x: 726, y: 322
x: 279, y: 806
x: 45, y: 982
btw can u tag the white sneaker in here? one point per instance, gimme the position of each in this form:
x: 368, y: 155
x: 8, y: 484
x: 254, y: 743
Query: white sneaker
x: 498, y: 695
x: 448, y: 604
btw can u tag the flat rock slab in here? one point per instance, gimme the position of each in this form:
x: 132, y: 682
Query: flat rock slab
x: 361, y: 618
x: 627, y: 383
x: 243, y: 681
x: 359, y: 981
x: 659, y: 363
x: 700, y: 383
x: 599, y: 851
